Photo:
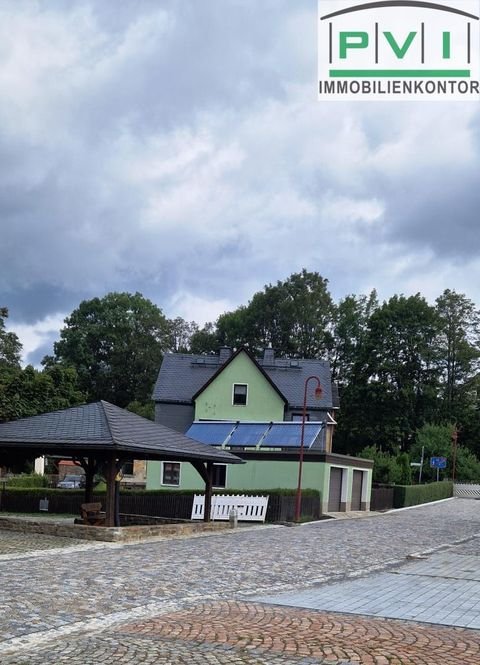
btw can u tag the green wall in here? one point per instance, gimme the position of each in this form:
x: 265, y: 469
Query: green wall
x: 255, y: 474
x: 263, y: 402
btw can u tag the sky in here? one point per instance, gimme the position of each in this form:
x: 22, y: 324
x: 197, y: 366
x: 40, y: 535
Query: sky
x: 178, y: 149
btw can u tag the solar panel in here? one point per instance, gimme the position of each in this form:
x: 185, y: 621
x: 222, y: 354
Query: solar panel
x: 248, y: 434
x: 289, y: 435
x: 212, y: 433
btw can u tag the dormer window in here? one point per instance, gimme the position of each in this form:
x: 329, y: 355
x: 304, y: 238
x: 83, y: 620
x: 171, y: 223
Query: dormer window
x: 240, y: 392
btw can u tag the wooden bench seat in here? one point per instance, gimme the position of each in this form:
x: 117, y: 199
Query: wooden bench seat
x: 91, y: 514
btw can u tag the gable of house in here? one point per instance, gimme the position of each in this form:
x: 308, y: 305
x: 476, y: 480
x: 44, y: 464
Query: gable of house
x: 239, y: 391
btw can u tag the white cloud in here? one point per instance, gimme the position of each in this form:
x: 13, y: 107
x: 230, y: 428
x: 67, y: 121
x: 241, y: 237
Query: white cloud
x: 182, y: 153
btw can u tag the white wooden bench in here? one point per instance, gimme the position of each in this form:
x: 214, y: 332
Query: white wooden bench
x: 249, y: 508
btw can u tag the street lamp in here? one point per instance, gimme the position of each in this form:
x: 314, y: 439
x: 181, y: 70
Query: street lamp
x: 318, y: 394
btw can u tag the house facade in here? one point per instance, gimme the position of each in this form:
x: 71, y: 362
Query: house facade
x: 253, y: 407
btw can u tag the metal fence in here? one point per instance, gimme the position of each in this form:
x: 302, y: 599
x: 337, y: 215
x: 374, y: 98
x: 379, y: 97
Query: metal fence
x: 382, y: 498
x: 466, y: 490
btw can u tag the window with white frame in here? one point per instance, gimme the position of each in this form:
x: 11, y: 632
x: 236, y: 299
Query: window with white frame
x: 240, y: 394
x: 170, y: 473
x: 219, y: 475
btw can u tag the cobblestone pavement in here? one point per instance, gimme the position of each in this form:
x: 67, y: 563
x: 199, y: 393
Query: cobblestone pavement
x: 50, y: 603
x: 14, y: 542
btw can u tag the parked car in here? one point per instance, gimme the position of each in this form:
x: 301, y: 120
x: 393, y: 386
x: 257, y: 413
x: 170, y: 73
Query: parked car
x: 71, y: 482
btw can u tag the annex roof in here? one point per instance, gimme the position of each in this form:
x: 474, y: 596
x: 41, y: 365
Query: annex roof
x: 103, y: 427
x: 183, y: 375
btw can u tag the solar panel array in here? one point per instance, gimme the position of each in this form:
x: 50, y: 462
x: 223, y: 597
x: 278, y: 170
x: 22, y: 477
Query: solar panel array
x: 255, y: 435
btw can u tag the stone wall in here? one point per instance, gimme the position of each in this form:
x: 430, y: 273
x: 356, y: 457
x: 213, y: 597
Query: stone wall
x: 109, y: 534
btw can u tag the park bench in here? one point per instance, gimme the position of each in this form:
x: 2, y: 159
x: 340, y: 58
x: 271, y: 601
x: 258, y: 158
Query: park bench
x: 91, y: 514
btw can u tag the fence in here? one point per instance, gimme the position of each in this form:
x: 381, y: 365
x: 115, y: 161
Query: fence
x: 382, y: 498
x: 248, y: 508
x: 466, y: 491
x: 281, y: 508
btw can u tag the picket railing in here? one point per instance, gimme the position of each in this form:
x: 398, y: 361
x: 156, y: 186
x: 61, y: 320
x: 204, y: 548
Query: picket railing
x: 466, y: 491
x: 248, y: 508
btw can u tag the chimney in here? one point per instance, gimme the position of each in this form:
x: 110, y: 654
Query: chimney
x: 224, y: 354
x: 268, y: 356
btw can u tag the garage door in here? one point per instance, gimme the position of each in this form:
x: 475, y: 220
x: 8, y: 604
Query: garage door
x: 335, y: 492
x: 357, y: 490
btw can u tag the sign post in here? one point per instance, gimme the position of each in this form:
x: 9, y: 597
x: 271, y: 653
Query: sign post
x: 438, y: 463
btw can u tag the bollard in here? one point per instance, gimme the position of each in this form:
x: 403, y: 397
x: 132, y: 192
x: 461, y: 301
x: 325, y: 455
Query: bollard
x: 233, y: 518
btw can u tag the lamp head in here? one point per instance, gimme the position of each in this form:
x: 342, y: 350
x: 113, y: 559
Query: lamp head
x: 318, y: 392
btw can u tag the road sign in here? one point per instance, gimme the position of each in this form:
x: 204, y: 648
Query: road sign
x: 438, y: 462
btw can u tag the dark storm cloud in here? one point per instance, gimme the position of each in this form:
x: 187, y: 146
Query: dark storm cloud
x: 177, y: 149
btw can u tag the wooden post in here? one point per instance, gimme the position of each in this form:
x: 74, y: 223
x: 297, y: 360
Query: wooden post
x: 110, y: 474
x: 90, y: 469
x: 208, y: 492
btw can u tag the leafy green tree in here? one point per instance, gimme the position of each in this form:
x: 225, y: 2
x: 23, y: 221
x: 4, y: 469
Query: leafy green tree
x: 28, y: 392
x: 352, y: 315
x: 115, y: 343
x: 204, y: 340
x: 181, y: 333
x: 436, y: 440
x: 459, y: 350
x: 388, y: 468
x: 146, y: 410
x: 10, y: 346
x: 395, y: 379
x: 295, y: 317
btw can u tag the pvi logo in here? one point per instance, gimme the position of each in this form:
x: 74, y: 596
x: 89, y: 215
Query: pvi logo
x: 398, y: 49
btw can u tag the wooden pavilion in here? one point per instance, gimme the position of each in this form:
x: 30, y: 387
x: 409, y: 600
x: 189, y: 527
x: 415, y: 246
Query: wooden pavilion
x: 101, y: 435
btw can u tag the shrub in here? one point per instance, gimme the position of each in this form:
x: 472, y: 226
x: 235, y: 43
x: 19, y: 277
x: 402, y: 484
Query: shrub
x: 27, y: 481
x: 412, y: 495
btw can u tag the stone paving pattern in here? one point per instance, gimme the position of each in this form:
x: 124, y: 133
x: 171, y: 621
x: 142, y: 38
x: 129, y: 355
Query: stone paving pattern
x: 87, y: 585
x: 443, y: 590
x: 14, y: 542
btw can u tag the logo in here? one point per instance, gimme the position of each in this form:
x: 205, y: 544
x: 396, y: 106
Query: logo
x: 398, y: 50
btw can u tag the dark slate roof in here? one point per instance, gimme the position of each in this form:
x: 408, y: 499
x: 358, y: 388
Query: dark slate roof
x: 101, y: 426
x: 182, y: 375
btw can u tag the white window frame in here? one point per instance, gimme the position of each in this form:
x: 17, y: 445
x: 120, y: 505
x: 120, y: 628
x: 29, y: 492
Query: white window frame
x: 233, y: 394
x: 221, y: 487
x: 162, y: 473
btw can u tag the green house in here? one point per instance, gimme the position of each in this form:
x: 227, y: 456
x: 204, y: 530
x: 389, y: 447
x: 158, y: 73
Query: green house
x: 254, y: 408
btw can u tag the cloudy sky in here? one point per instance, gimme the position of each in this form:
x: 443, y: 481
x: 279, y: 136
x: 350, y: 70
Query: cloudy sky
x: 177, y: 148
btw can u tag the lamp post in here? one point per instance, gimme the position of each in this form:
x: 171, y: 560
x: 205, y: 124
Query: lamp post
x: 318, y: 394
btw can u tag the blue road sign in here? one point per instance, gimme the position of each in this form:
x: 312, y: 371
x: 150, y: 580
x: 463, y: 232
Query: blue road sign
x: 438, y: 462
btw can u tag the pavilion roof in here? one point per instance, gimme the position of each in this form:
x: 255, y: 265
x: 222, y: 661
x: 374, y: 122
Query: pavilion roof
x: 103, y: 427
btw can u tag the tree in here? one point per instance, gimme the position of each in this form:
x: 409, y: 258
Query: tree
x: 294, y: 317
x: 436, y: 441
x: 204, y: 340
x: 181, y: 333
x: 459, y: 348
x: 10, y: 346
x: 28, y: 392
x: 115, y: 343
x: 395, y: 380
x: 352, y: 315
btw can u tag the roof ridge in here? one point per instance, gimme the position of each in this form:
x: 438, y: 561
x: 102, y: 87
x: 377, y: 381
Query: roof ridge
x: 104, y: 402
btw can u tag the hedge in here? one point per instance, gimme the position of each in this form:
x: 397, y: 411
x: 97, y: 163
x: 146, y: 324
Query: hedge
x: 49, y: 491
x: 412, y: 495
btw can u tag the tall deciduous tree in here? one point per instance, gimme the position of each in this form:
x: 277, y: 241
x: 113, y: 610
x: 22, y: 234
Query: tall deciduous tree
x: 395, y: 384
x: 352, y: 315
x: 295, y: 317
x: 115, y: 343
x: 10, y: 346
x: 459, y: 350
